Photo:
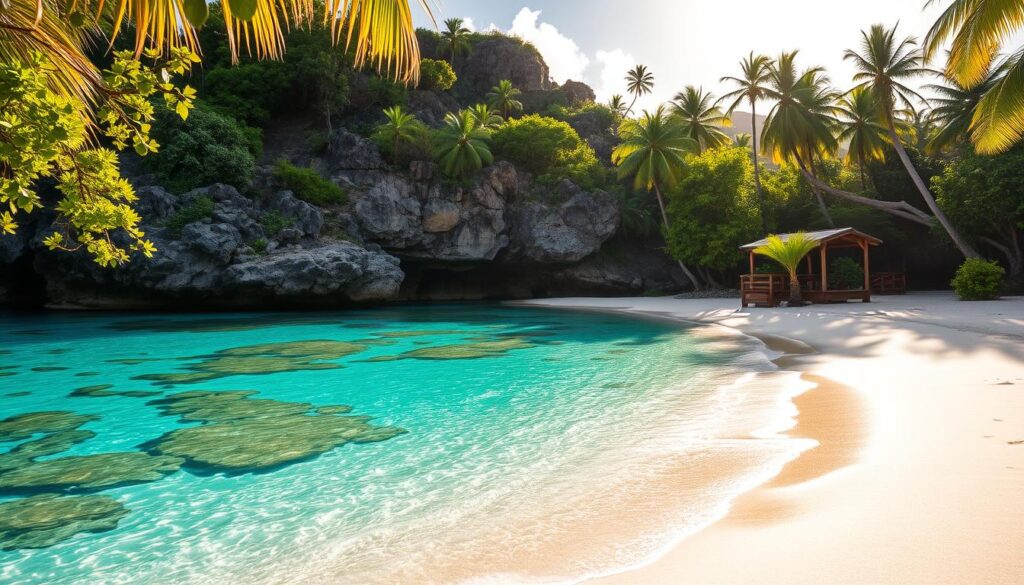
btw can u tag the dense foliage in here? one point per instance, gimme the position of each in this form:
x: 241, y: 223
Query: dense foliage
x: 462, y: 146
x: 984, y: 196
x: 549, y: 148
x: 435, y: 74
x: 198, y: 209
x: 45, y: 136
x: 205, y: 148
x: 713, y: 209
x: 978, y: 280
x: 308, y: 185
x: 845, y: 273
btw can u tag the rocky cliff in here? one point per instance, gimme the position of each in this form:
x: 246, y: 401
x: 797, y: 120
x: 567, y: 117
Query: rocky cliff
x: 403, y: 236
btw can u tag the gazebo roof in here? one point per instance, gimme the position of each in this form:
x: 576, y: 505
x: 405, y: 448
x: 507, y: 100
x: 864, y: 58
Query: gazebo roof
x: 821, y: 237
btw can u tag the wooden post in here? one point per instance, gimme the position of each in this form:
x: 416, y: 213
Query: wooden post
x: 810, y: 269
x: 751, y: 262
x: 867, y: 272
x: 824, y: 268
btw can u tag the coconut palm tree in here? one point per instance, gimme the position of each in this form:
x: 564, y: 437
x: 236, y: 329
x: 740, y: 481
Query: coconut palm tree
x: 751, y: 87
x: 884, y: 65
x: 454, y: 39
x: 651, y: 152
x: 862, y: 127
x: 617, y: 105
x: 700, y: 117
x: 380, y: 32
x: 789, y: 252
x: 979, y: 31
x: 486, y: 117
x: 954, y: 106
x: 505, y: 97
x: 400, y: 127
x: 742, y: 140
x: 462, y: 145
x: 799, y: 127
x: 916, y: 126
x: 639, y: 81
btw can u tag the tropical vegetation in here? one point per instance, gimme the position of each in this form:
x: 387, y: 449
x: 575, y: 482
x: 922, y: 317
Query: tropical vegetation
x: 788, y: 252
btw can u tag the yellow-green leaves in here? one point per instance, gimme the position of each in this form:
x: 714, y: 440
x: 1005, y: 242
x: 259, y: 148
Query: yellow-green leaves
x: 196, y: 11
x: 43, y: 135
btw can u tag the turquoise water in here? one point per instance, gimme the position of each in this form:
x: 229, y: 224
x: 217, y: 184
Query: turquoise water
x: 498, y: 439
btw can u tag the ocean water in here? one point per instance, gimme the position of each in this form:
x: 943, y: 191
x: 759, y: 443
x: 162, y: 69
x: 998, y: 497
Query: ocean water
x: 502, y: 445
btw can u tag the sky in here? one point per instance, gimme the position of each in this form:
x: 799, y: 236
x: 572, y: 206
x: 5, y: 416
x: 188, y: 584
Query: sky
x: 684, y: 42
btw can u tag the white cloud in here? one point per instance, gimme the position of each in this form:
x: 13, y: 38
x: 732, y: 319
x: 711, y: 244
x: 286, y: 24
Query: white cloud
x: 562, y: 54
x: 610, y: 77
x: 467, y: 21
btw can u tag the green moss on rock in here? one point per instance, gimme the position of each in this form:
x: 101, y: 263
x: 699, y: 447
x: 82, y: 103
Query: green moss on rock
x: 88, y: 472
x: 23, y: 426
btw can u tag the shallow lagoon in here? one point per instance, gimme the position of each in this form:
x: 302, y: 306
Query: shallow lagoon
x: 358, y: 446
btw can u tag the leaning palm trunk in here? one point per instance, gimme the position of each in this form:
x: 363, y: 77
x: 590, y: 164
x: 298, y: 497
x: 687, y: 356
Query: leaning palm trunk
x: 664, y: 219
x: 757, y: 173
x: 965, y: 248
x: 817, y: 195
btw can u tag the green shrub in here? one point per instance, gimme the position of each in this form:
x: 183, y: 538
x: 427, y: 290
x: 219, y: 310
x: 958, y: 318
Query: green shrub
x: 259, y: 246
x: 436, y: 74
x: 200, y: 208
x: 385, y: 92
x: 273, y: 222
x: 548, y: 148
x: 978, y: 280
x: 845, y: 274
x: 308, y: 185
x: 599, y: 114
x: 206, y: 148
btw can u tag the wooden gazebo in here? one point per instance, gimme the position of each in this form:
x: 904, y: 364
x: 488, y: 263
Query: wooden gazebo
x: 769, y: 289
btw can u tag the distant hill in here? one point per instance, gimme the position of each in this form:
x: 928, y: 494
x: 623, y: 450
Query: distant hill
x: 741, y: 123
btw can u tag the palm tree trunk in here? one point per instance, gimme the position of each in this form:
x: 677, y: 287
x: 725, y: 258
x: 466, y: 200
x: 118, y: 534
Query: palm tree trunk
x: 796, y: 299
x: 664, y: 219
x: 630, y: 108
x: 965, y: 248
x: 757, y: 174
x: 821, y: 200
x: 860, y: 165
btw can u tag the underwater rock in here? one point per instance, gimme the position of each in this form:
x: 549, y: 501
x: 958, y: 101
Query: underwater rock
x: 88, y: 472
x: 23, y: 426
x: 461, y: 351
x: 267, y: 358
x: 86, y: 374
x: 48, y: 369
x: 245, y: 434
x: 101, y: 390
x: 50, y: 444
x: 45, y: 520
x: 17, y: 394
x: 416, y: 333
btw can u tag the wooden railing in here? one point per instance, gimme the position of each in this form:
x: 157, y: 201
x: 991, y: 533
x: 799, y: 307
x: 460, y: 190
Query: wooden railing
x: 765, y: 289
x: 888, y: 283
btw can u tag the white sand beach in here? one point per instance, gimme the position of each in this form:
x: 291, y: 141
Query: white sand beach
x: 919, y: 472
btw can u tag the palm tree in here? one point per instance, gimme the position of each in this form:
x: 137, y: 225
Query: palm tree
x: 485, y: 117
x: 462, y: 145
x: 652, y: 152
x: 954, y: 107
x: 700, y: 117
x: 799, y: 126
x: 789, y: 252
x: 742, y: 140
x: 862, y: 128
x: 400, y: 127
x: 383, y: 34
x: 505, y: 97
x: 639, y: 82
x: 883, y: 66
x: 751, y: 87
x: 617, y: 104
x: 454, y: 39
x: 917, y: 126
x: 978, y: 31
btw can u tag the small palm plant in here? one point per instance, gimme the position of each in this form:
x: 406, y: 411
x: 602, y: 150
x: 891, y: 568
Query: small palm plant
x: 486, y: 117
x: 462, y: 145
x: 617, y: 104
x: 505, y: 97
x: 788, y: 253
x: 400, y: 127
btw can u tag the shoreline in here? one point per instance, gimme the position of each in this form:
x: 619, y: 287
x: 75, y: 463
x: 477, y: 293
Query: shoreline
x: 828, y: 515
